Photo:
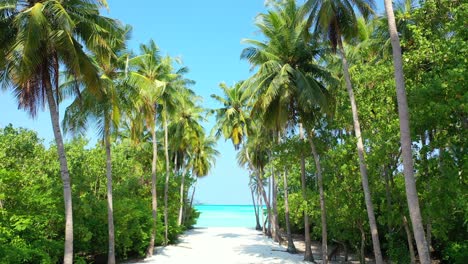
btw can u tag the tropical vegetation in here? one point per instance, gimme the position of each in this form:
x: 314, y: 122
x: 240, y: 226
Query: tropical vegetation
x: 331, y: 151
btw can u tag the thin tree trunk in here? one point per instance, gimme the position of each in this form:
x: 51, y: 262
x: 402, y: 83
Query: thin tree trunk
x: 322, y: 198
x: 274, y: 190
x: 182, y: 192
x: 362, y: 161
x: 291, y: 248
x: 257, y: 220
x: 166, y: 184
x: 363, y: 244
x: 154, y: 196
x: 262, y: 215
x: 259, y: 175
x: 425, y: 165
x: 308, y: 256
x: 405, y: 138
x: 270, y: 213
x: 191, y: 200
x: 67, y: 195
x: 110, y: 207
x: 410, y: 240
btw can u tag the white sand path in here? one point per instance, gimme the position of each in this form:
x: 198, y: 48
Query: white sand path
x: 223, y: 245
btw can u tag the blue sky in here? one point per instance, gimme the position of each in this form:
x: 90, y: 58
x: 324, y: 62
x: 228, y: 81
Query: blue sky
x: 207, y: 35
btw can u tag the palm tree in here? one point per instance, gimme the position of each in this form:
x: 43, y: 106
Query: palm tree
x: 42, y: 38
x: 232, y: 120
x: 170, y: 99
x: 405, y: 138
x: 185, y: 130
x: 147, y: 77
x: 335, y: 20
x: 254, y: 191
x: 288, y: 79
x: 105, y: 112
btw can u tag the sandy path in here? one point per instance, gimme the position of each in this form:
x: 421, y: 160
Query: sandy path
x: 223, y: 245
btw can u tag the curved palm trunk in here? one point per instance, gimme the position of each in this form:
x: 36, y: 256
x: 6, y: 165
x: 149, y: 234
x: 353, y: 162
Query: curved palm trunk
x: 291, y: 248
x: 154, y: 196
x: 67, y: 196
x: 166, y: 184
x: 308, y: 256
x: 322, y: 199
x: 110, y: 208
x: 362, y: 161
x: 405, y: 138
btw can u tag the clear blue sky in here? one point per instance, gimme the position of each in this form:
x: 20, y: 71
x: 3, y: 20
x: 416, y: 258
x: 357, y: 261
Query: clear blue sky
x: 207, y: 35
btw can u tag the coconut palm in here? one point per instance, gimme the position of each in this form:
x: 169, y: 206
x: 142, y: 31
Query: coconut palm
x: 335, y: 20
x: 169, y: 100
x: 288, y: 79
x: 405, y: 138
x: 42, y: 38
x: 105, y: 112
x: 185, y: 129
x: 149, y: 70
x: 232, y: 120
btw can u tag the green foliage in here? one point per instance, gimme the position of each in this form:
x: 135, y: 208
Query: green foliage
x: 31, y: 205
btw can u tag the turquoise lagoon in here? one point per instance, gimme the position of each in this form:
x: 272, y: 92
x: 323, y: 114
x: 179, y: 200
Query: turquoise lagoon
x: 226, y: 216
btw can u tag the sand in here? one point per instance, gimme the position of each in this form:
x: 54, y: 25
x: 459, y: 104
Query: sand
x: 223, y: 245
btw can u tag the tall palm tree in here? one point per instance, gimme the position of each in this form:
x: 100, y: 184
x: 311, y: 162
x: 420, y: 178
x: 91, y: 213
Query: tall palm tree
x: 43, y: 37
x: 105, y: 112
x: 288, y: 79
x: 170, y: 99
x: 335, y: 20
x: 405, y: 138
x: 147, y: 77
x: 185, y: 129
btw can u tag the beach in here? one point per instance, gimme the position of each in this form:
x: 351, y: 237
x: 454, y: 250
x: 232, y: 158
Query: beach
x: 227, y: 245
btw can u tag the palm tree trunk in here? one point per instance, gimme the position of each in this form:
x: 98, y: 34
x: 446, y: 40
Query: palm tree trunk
x: 409, y: 239
x: 154, y: 196
x: 166, y: 184
x: 182, y: 192
x: 191, y: 201
x: 276, y: 234
x: 257, y: 219
x: 267, y: 203
x: 322, y: 198
x: 308, y: 256
x: 67, y: 196
x: 362, y: 161
x: 291, y: 248
x: 405, y: 138
x: 262, y: 215
x: 271, y: 220
x: 259, y: 174
x: 110, y: 207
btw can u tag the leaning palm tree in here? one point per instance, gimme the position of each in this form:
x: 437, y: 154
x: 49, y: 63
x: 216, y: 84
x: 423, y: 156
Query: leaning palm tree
x: 288, y: 79
x: 335, y: 20
x: 43, y: 37
x: 405, y: 136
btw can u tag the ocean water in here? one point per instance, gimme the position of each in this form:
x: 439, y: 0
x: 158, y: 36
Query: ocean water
x: 226, y: 216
